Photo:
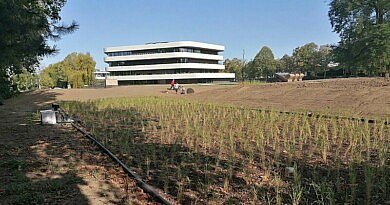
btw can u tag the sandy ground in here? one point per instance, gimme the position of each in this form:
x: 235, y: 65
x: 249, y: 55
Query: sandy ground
x: 357, y: 97
x: 55, y: 164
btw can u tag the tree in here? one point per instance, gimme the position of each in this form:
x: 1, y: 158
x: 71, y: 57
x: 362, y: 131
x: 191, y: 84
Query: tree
x: 24, y: 81
x: 76, y: 69
x: 285, y: 64
x: 364, y: 29
x: 312, y: 59
x: 80, y: 67
x: 248, y: 71
x: 264, y: 63
x: 53, y: 75
x: 46, y: 80
x: 234, y: 66
x: 323, y: 57
x: 26, y: 27
x: 304, y: 57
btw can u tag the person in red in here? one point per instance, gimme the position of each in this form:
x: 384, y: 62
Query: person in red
x: 172, y: 84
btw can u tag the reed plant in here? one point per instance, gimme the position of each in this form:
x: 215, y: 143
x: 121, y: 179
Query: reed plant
x: 226, y: 147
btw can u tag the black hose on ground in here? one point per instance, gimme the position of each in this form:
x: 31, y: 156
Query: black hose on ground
x: 144, y: 186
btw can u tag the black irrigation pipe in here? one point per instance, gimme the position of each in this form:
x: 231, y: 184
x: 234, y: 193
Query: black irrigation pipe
x: 144, y: 186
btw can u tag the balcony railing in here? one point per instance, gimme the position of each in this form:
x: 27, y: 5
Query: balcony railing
x: 174, y: 50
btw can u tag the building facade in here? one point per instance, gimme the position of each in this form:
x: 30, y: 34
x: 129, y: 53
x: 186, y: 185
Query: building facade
x: 159, y: 63
x: 101, y: 75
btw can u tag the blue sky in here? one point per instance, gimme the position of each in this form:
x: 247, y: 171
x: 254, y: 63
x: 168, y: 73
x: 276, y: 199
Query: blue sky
x: 281, y: 25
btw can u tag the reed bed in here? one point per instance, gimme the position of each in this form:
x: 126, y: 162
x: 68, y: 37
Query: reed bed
x: 207, y: 153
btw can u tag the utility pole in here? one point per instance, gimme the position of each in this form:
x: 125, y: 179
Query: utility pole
x: 243, y: 64
x: 243, y: 56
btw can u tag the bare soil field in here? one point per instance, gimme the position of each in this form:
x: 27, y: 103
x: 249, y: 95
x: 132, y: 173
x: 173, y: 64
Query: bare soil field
x: 361, y: 97
x: 364, y: 97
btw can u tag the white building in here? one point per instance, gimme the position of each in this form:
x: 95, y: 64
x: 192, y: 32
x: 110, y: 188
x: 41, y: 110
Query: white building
x: 159, y: 63
x: 101, y: 75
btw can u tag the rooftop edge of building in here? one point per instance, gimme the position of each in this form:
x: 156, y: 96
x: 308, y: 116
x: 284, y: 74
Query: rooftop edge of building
x: 159, y: 45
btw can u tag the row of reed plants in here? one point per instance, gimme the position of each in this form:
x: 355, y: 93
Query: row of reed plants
x: 205, y: 153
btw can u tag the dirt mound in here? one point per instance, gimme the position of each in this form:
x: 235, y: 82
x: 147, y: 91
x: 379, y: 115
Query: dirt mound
x: 363, y: 97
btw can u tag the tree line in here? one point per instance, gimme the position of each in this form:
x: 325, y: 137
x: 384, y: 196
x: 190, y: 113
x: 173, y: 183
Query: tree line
x: 309, y: 58
x: 363, y: 49
x: 76, y: 70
